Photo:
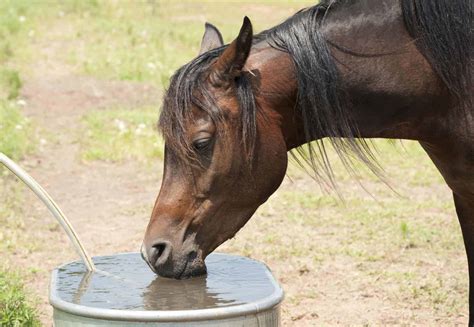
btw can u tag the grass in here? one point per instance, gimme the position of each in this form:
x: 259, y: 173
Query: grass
x: 149, y: 41
x: 15, y: 131
x: 12, y: 17
x: 10, y: 221
x: 18, y: 20
x: 15, y: 142
x: 15, y: 309
x: 120, y: 134
x: 10, y: 83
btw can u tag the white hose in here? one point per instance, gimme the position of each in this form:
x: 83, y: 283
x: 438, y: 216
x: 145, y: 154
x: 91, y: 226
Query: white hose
x: 51, y: 205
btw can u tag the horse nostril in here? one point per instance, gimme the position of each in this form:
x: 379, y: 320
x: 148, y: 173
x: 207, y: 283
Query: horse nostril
x: 160, y: 248
x: 192, y: 255
x: 159, y: 253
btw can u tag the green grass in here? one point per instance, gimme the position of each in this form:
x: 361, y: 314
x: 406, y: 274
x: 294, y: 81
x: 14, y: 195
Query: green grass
x: 11, y: 223
x: 15, y: 131
x: 15, y: 309
x: 118, y: 134
x: 15, y: 141
x: 149, y: 41
x: 12, y: 16
x: 10, y: 83
x: 18, y: 19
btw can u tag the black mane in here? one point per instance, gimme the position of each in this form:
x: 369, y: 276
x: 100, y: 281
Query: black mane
x: 444, y: 33
x: 321, y: 100
x: 442, y: 29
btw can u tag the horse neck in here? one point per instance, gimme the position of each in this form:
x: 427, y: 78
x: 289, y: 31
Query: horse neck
x: 276, y: 90
x: 391, y: 89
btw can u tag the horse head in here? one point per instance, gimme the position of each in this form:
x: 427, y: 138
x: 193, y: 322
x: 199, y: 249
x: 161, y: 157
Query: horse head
x: 223, y: 159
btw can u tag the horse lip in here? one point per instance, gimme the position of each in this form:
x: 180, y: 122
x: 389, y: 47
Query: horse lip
x: 183, y: 270
x: 151, y: 267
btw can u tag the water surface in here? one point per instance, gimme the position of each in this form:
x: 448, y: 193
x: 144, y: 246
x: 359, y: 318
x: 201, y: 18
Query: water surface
x: 125, y: 282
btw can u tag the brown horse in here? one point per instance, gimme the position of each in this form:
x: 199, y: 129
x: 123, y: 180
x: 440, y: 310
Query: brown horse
x: 343, y: 70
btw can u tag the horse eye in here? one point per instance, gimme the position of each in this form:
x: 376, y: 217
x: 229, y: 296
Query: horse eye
x: 201, y: 144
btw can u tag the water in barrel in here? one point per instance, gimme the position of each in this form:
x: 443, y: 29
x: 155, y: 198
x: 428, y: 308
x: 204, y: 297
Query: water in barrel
x: 125, y: 286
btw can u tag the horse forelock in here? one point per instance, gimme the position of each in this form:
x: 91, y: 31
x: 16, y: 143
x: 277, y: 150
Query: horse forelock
x: 188, y: 89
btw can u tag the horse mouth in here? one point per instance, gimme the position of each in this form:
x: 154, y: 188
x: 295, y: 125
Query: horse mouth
x: 190, y: 268
x: 183, y: 270
x: 193, y: 267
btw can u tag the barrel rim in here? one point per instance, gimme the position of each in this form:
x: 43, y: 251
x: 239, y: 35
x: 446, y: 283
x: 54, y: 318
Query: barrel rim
x: 270, y: 302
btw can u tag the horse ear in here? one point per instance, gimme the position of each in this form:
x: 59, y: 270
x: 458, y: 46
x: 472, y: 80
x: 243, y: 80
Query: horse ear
x: 211, y: 39
x: 230, y: 63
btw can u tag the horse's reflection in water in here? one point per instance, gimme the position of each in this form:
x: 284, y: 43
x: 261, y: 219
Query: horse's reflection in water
x: 171, y: 294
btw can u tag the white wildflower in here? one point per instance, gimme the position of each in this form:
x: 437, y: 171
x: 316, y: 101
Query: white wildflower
x: 120, y: 124
x: 151, y: 66
x: 139, y: 129
x: 21, y: 103
x: 22, y: 19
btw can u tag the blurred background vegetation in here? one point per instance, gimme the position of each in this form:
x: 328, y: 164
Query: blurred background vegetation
x: 403, y: 240
x: 15, y: 141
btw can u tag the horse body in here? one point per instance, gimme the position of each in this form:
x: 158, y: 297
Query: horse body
x: 343, y: 70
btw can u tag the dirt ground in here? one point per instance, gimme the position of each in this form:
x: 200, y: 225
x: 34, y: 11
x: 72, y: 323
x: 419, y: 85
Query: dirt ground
x: 109, y: 205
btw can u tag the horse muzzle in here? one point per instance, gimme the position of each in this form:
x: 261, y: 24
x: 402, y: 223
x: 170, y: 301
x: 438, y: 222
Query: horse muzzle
x: 167, y: 262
